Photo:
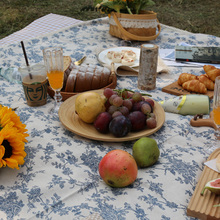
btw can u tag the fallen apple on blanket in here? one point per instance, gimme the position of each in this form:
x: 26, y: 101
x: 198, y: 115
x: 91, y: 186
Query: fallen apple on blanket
x: 118, y: 168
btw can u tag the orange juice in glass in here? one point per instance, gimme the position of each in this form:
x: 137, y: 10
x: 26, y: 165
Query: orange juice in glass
x: 216, y: 114
x: 55, y: 78
x: 53, y: 60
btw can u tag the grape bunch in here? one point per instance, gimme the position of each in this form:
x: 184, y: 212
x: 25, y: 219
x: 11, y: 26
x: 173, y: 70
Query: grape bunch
x: 126, y: 111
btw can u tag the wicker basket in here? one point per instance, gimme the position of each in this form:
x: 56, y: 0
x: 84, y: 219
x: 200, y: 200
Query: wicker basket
x: 139, y: 27
x: 66, y: 95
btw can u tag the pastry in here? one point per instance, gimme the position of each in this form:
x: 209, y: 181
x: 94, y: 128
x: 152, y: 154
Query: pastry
x: 184, y: 77
x: 209, y: 84
x: 194, y: 85
x: 211, y: 71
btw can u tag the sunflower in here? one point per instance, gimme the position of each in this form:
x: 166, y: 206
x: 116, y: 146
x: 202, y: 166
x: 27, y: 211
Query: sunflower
x: 12, y: 139
x: 9, y: 117
x: 11, y: 148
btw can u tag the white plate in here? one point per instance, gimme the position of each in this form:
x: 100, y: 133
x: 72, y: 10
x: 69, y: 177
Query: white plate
x: 102, y: 56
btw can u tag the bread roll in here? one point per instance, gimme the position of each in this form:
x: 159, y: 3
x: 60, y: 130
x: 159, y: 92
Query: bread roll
x: 209, y: 84
x: 184, y: 77
x: 87, y: 77
x: 211, y: 71
x: 194, y: 86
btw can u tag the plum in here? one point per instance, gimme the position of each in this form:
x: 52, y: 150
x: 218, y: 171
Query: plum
x: 120, y: 126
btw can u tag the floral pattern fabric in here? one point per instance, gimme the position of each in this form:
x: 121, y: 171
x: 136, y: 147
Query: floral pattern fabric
x: 60, y: 179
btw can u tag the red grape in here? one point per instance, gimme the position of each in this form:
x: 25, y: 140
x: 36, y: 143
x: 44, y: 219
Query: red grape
x: 117, y: 101
x: 124, y: 110
x: 150, y: 101
x: 128, y: 103
x: 112, y: 98
x: 137, y: 97
x: 112, y: 109
x: 146, y: 109
x: 151, y: 123
x: 116, y: 113
x: 108, y: 92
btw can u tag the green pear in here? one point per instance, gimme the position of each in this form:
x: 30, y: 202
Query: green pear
x: 145, y: 151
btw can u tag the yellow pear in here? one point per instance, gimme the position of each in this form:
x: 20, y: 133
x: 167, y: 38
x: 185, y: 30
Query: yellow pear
x: 89, y: 105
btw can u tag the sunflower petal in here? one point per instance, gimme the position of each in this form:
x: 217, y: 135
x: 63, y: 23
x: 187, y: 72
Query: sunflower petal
x: 18, y: 158
x: 12, y: 163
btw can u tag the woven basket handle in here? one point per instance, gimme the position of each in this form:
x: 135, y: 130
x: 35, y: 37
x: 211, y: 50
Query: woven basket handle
x: 132, y: 36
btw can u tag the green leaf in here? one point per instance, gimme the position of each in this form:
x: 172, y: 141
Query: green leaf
x: 116, y: 5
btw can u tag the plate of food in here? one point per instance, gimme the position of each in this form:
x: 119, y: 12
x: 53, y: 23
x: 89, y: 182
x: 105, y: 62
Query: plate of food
x: 72, y: 122
x: 125, y: 56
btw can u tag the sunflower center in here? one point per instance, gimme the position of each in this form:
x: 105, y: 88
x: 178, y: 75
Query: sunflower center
x: 8, y: 149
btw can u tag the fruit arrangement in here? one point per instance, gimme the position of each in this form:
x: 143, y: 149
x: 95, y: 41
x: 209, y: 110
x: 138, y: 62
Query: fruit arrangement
x: 125, y: 111
x: 118, y: 168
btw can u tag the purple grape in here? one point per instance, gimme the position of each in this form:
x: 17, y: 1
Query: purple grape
x: 138, y: 120
x: 137, y: 106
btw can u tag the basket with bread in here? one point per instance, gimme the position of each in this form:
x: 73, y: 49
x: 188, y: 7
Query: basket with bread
x: 83, y: 78
x: 202, y: 83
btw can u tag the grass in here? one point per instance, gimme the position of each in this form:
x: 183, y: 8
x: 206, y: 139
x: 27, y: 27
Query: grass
x: 197, y: 16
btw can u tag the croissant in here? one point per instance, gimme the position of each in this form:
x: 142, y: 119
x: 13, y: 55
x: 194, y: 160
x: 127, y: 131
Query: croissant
x: 211, y: 71
x: 209, y: 84
x: 184, y: 77
x: 194, y: 86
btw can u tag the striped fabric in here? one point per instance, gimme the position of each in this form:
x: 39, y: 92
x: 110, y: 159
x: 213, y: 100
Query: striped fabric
x: 44, y: 25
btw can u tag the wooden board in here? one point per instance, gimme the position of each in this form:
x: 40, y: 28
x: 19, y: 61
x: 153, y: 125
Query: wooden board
x: 176, y: 89
x: 201, y: 207
x: 72, y: 122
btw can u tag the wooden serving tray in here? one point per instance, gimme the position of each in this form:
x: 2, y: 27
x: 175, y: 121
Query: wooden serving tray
x: 175, y: 89
x: 201, y: 207
x: 72, y: 122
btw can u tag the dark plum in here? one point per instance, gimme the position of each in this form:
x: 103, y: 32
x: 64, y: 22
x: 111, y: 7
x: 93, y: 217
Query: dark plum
x: 102, y: 122
x: 120, y: 126
x: 138, y: 120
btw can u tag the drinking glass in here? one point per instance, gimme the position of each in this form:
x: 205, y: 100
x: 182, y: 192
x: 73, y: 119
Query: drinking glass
x: 216, y: 115
x: 53, y: 60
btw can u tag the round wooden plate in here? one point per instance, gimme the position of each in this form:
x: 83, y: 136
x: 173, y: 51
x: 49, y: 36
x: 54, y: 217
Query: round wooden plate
x: 73, y: 123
